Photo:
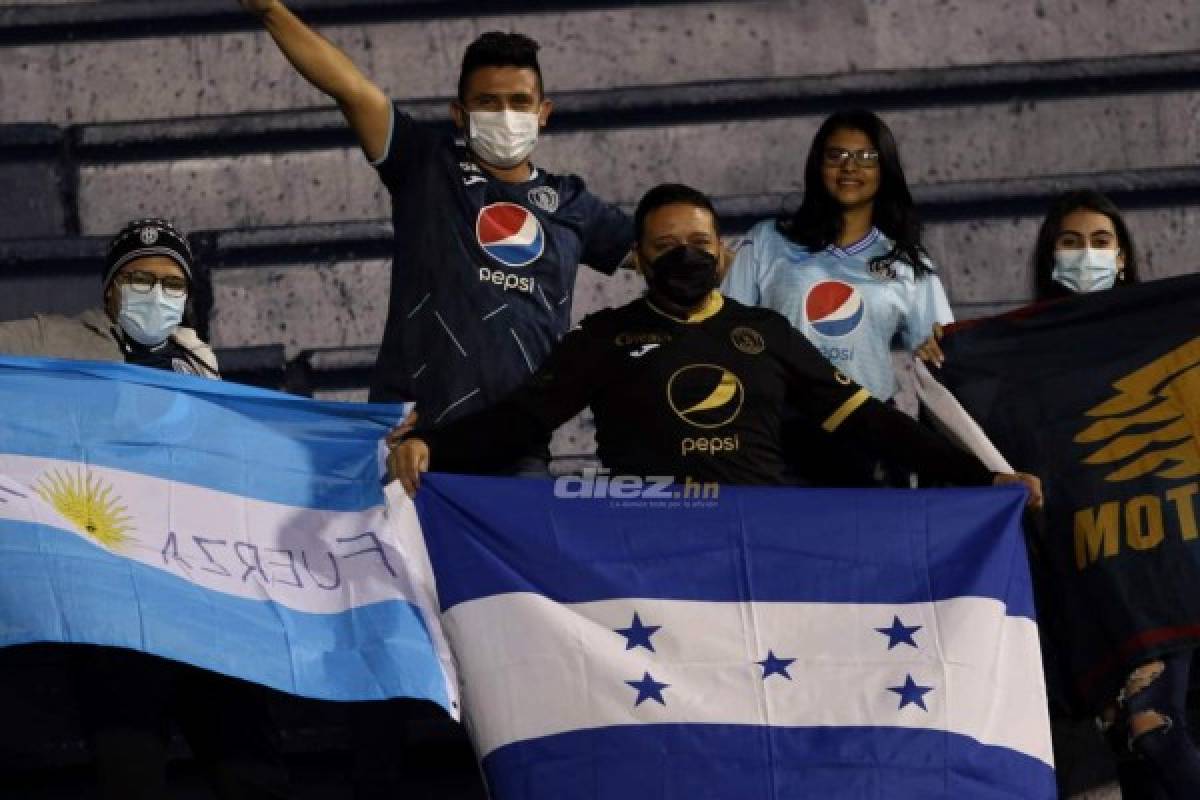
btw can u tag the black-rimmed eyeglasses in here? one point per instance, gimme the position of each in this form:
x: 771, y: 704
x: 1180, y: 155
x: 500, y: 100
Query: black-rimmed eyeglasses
x: 172, y: 285
x: 837, y: 156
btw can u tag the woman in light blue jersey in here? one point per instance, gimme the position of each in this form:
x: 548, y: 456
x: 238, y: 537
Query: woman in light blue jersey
x: 848, y: 267
x: 848, y: 270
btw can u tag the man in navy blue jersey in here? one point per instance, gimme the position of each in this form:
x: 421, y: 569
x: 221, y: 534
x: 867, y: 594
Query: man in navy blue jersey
x: 486, y: 244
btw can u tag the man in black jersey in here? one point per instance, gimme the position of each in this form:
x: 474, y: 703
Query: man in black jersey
x: 686, y: 382
x: 486, y: 244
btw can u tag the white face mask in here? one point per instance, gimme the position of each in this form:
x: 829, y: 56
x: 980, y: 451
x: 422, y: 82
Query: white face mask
x: 1086, y: 270
x: 502, y: 138
x: 149, y: 317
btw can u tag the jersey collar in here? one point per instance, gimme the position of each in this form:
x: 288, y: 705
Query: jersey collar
x: 712, y: 305
x: 466, y: 153
x: 860, y: 246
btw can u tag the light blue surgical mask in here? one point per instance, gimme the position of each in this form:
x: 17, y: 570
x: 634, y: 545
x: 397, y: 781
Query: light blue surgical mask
x: 149, y: 317
x: 1085, y: 270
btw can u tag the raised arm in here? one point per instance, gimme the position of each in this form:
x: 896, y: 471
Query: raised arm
x: 322, y: 64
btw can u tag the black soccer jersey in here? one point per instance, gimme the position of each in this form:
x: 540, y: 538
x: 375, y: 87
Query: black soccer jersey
x: 700, y: 399
x: 482, y: 274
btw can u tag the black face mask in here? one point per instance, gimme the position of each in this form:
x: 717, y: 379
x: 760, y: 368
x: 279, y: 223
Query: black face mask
x: 683, y: 275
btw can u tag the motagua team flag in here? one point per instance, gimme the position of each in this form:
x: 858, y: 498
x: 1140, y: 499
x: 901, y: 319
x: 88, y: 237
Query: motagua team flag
x: 763, y: 644
x: 1100, y: 395
x: 241, y: 530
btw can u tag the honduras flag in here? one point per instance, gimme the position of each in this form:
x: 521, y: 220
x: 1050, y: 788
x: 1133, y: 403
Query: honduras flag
x: 240, y: 530
x: 762, y: 645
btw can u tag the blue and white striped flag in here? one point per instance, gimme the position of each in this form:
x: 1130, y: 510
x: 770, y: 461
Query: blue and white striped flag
x: 766, y: 644
x: 241, y: 530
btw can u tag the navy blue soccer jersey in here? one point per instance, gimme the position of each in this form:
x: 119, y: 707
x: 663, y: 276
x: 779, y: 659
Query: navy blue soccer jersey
x: 482, y: 274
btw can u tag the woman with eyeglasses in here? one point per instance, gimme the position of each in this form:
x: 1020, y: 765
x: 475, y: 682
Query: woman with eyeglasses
x: 847, y: 268
x: 148, y: 278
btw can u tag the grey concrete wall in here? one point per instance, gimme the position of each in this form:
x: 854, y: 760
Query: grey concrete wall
x: 992, y: 141
x: 223, y: 73
x: 33, y: 201
x: 301, y: 307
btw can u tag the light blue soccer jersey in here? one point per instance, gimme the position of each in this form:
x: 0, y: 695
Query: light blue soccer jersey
x: 851, y: 315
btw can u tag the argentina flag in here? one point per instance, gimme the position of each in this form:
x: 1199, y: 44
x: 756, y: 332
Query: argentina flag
x: 240, y: 530
x: 621, y: 641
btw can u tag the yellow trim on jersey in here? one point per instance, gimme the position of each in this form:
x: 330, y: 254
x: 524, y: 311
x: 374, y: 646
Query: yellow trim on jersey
x: 711, y: 306
x: 847, y: 408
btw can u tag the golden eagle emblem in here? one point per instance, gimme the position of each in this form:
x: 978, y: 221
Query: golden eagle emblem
x: 1152, y: 425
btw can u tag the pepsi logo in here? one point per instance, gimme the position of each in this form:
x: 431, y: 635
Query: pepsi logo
x: 705, y: 395
x: 510, y: 234
x: 834, y: 308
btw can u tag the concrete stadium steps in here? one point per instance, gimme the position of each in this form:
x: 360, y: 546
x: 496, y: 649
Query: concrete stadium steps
x: 107, y: 76
x: 326, y: 286
x: 696, y: 100
x: 289, y: 174
x: 984, y: 264
x: 38, y: 182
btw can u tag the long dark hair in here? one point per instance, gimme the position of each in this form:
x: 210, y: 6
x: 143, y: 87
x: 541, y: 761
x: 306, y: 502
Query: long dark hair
x: 1043, y: 252
x: 818, y: 222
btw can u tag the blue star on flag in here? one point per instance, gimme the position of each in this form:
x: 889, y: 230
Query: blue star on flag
x: 638, y: 635
x: 910, y: 692
x: 899, y: 633
x: 773, y: 665
x: 648, y: 689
